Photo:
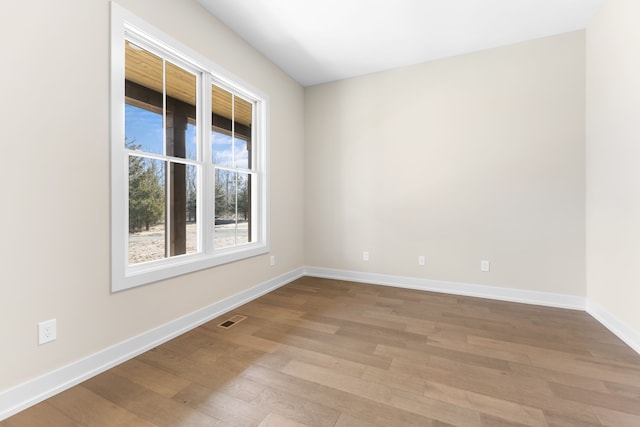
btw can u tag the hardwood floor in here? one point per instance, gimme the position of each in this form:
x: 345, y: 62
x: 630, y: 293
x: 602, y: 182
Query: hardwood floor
x: 323, y: 352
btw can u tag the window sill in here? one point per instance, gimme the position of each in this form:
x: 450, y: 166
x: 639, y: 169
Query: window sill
x: 155, y: 271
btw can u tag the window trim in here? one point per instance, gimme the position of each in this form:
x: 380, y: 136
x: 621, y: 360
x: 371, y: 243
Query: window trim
x: 124, y: 276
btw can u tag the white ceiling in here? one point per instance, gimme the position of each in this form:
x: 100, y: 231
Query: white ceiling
x: 317, y: 41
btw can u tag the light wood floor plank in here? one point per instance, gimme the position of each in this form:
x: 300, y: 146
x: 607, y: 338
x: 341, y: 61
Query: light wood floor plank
x: 146, y: 404
x: 486, y: 404
x: 156, y: 380
x: 35, y: 415
x: 296, y: 408
x: 384, y: 394
x: 222, y: 406
x: 275, y: 420
x: 86, y: 408
x: 355, y: 406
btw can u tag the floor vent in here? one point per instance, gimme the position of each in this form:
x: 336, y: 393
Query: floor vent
x: 230, y: 322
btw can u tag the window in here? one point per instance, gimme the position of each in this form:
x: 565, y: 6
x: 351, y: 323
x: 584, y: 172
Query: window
x: 188, y: 156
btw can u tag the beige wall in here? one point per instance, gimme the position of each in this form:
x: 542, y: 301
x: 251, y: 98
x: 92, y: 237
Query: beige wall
x: 480, y: 156
x: 474, y: 157
x: 613, y: 160
x: 54, y: 181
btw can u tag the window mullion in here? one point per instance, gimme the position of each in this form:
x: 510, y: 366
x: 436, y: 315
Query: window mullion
x: 233, y: 131
x: 167, y: 166
x: 200, y: 171
x: 236, y: 205
x: 233, y: 165
x: 208, y: 195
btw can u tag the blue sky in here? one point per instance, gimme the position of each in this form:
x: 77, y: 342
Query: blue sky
x: 145, y: 127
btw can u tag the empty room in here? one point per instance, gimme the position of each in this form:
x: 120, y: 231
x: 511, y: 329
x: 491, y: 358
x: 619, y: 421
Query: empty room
x: 320, y: 213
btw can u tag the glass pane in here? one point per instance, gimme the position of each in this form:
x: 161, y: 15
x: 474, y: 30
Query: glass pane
x: 242, y: 133
x: 182, y: 207
x: 225, y: 219
x: 181, y: 110
x: 243, y: 230
x: 142, y: 130
x: 146, y: 209
x: 192, y: 141
x: 221, y: 126
x: 192, y: 209
x: 143, y: 67
x: 241, y: 153
x: 222, y: 148
x: 143, y: 98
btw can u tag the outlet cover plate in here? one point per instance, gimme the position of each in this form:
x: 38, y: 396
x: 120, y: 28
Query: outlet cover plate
x: 47, y: 331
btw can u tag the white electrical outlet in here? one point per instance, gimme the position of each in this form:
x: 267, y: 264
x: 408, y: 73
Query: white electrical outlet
x: 484, y: 265
x: 46, y: 331
x: 365, y: 256
x: 272, y: 260
x: 421, y: 260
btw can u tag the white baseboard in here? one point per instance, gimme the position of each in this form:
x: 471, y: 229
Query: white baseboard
x: 619, y: 328
x: 34, y: 391
x: 548, y: 299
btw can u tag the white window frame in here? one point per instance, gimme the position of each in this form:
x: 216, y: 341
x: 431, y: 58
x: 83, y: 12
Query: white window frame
x: 125, y: 276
